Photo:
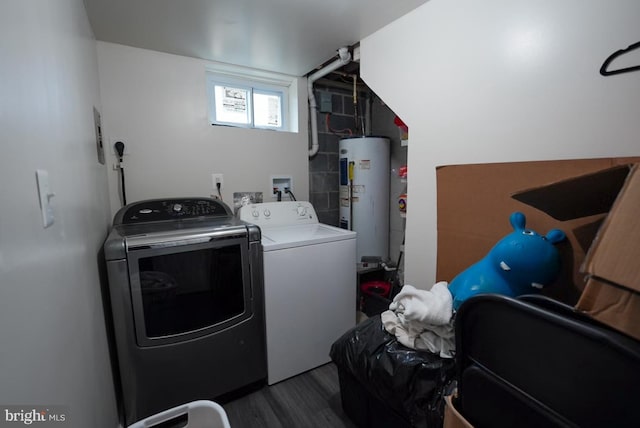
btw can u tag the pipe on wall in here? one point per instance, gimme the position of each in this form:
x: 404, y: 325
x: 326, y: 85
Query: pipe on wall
x: 344, y: 58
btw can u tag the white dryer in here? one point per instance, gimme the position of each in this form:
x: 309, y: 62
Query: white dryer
x: 309, y: 282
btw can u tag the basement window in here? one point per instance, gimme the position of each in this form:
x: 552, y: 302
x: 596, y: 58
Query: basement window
x: 248, y: 101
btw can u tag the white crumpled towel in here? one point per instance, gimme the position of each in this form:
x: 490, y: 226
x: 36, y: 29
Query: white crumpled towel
x: 422, y: 319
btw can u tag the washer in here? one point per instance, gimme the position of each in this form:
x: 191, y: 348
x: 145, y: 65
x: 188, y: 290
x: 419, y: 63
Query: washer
x: 310, y: 285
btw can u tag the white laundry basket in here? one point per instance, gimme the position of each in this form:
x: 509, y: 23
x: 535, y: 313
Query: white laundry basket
x: 200, y: 414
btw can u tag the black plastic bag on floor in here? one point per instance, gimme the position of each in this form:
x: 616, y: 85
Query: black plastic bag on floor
x: 403, y: 387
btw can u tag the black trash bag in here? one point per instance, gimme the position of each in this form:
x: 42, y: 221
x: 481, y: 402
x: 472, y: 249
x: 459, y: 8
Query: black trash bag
x: 412, y: 383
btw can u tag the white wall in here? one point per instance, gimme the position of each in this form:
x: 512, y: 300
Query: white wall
x: 156, y: 103
x: 496, y: 81
x: 52, y: 334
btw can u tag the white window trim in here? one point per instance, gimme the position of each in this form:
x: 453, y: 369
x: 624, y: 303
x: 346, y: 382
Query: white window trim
x: 261, y: 81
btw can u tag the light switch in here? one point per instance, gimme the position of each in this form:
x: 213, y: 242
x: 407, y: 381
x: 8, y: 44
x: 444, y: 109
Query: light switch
x: 45, y: 194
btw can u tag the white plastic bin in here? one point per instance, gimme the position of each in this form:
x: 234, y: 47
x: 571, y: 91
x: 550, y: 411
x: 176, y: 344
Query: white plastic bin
x: 200, y: 414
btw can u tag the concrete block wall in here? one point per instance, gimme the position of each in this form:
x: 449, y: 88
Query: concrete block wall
x: 323, y: 167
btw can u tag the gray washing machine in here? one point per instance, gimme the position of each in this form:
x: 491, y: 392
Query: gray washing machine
x: 186, y: 289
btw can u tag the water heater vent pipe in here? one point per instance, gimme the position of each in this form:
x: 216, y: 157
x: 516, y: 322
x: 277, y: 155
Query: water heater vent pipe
x: 344, y: 59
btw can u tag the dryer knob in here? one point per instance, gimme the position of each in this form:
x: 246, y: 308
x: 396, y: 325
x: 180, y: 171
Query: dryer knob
x: 177, y: 208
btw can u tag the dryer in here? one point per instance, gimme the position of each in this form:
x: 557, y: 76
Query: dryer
x: 310, y: 285
x: 185, y: 288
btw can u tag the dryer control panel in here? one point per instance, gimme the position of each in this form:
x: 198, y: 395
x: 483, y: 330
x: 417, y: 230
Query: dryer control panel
x: 279, y: 213
x: 171, y: 209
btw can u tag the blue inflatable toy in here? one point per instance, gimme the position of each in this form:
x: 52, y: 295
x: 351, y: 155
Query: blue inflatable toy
x: 522, y: 262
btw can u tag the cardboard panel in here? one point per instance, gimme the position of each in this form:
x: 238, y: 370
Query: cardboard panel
x: 614, y: 306
x: 577, y: 197
x: 453, y: 418
x: 475, y: 201
x: 615, y: 253
x: 584, y: 234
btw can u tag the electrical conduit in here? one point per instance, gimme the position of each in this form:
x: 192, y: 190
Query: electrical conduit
x: 344, y: 58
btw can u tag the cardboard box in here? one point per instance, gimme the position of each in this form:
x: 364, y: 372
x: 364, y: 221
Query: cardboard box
x: 475, y: 201
x: 612, y: 293
x: 596, y: 202
x: 453, y: 418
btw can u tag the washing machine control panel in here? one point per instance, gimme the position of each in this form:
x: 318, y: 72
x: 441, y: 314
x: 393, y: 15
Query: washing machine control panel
x: 279, y: 213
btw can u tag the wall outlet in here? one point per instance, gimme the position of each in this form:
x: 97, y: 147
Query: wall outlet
x: 217, y: 178
x: 112, y: 144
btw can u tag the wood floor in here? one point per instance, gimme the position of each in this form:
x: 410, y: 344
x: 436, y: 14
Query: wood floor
x: 309, y: 400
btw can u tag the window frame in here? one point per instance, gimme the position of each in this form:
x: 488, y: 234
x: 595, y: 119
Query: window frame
x: 254, y: 84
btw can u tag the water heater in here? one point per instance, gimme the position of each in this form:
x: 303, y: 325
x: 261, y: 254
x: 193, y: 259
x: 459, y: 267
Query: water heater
x: 364, y: 193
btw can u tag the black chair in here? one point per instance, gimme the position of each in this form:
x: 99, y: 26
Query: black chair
x: 534, y: 362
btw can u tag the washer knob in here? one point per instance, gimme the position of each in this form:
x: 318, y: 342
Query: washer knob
x: 302, y: 211
x: 267, y: 213
x: 255, y: 213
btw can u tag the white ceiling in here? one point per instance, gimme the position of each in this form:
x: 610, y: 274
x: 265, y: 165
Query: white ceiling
x: 286, y: 36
